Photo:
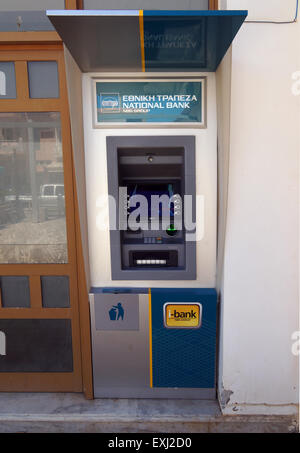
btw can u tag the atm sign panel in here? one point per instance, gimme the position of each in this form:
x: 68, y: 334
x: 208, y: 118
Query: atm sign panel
x: 182, y: 315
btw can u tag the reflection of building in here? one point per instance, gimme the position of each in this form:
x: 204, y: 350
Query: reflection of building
x: 49, y: 164
x: 23, y: 162
x: 13, y: 162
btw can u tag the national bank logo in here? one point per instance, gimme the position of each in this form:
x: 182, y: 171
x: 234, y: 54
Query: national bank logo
x: 109, y: 103
x: 182, y: 315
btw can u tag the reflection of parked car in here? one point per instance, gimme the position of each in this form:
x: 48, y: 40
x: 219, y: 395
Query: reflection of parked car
x: 52, y: 200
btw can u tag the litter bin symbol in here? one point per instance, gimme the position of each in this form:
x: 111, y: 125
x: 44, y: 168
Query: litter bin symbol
x: 116, y: 310
x: 112, y: 314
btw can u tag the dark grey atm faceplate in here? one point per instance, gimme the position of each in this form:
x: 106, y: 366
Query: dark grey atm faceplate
x: 151, y: 165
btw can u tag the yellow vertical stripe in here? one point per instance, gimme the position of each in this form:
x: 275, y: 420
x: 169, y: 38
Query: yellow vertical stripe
x: 141, y: 21
x: 150, y: 339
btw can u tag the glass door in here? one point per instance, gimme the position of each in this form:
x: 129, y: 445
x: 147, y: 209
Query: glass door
x: 39, y: 314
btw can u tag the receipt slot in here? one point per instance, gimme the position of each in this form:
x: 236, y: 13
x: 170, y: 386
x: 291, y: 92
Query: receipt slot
x: 163, y: 345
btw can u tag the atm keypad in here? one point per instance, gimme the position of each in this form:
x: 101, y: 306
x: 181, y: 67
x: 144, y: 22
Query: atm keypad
x: 153, y: 240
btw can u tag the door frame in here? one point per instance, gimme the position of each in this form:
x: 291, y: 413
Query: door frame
x: 78, y: 380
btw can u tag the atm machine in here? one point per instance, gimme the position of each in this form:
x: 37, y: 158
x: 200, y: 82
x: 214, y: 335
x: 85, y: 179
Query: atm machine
x: 150, y: 143
x: 163, y: 343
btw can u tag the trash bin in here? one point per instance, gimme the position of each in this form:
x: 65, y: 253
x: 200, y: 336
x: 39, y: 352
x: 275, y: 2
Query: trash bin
x: 112, y: 314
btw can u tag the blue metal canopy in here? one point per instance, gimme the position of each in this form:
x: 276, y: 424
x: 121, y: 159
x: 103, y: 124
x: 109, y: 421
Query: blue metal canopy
x: 139, y: 40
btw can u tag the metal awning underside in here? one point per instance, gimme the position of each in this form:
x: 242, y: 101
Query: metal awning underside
x: 139, y: 40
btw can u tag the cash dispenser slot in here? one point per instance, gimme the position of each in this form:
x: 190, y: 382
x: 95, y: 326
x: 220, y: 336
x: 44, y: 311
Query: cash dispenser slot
x: 154, y: 258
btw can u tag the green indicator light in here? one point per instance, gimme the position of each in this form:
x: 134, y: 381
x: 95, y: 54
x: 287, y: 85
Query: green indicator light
x: 171, y: 230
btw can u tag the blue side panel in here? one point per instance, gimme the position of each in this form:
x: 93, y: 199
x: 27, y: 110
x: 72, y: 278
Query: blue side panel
x: 184, y: 357
x: 188, y: 40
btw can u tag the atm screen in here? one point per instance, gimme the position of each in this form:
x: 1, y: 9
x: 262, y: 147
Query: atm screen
x: 149, y: 189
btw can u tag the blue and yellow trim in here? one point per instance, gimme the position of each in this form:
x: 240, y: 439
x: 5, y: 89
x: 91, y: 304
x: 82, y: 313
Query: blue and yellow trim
x: 186, y: 53
x: 142, y: 41
x: 148, y: 40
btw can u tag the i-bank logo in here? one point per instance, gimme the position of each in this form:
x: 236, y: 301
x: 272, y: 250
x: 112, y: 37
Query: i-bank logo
x: 182, y: 315
x: 109, y: 102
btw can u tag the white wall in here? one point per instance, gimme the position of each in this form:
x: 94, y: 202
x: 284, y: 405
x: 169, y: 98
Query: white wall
x: 96, y: 186
x: 260, y: 286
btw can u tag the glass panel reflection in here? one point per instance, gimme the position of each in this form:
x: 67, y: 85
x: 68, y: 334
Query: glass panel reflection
x: 15, y: 292
x: 32, y: 201
x: 43, y: 79
x: 7, y: 80
x: 55, y: 291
